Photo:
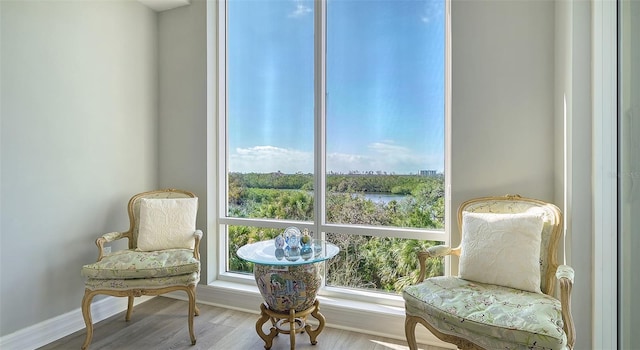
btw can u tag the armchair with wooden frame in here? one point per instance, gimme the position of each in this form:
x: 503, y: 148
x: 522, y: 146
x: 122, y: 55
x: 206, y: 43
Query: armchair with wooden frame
x: 163, y: 255
x: 504, y: 296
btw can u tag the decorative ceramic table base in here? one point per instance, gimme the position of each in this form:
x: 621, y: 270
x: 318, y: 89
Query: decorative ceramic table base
x: 287, y: 285
x: 291, y: 323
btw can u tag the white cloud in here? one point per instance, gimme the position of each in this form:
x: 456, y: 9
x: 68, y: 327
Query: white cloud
x: 344, y: 163
x: 383, y: 156
x: 388, y: 147
x: 267, y: 159
x: 300, y: 10
x: 433, y: 9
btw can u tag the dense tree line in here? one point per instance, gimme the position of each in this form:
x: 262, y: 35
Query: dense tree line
x: 395, y: 184
x: 364, y: 261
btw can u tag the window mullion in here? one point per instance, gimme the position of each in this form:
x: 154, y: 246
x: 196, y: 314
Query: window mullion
x: 319, y: 113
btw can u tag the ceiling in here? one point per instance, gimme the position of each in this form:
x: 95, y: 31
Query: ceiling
x: 162, y: 5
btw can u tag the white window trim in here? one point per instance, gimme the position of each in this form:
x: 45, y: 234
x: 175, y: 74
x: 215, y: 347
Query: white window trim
x: 225, y: 287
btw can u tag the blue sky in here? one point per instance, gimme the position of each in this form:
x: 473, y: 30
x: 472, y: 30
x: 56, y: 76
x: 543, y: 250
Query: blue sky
x: 385, y: 73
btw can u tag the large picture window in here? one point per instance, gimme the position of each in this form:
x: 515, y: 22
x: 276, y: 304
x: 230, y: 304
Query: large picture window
x: 334, y: 121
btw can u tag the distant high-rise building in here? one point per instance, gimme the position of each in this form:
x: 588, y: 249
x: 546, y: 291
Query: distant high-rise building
x: 428, y: 173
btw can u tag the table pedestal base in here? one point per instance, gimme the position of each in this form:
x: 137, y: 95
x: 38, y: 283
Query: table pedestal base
x: 289, y: 323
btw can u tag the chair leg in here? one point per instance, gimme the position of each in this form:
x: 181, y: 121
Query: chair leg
x: 191, y: 292
x: 86, y: 314
x: 129, y: 308
x: 410, y: 332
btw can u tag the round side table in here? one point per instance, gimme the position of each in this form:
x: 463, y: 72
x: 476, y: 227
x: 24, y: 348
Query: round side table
x: 289, y: 286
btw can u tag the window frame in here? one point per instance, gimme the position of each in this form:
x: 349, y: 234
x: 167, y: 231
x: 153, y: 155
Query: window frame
x: 320, y: 226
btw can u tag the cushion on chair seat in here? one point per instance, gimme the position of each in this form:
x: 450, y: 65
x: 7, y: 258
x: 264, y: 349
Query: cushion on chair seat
x: 130, y: 264
x: 143, y: 283
x: 509, y: 318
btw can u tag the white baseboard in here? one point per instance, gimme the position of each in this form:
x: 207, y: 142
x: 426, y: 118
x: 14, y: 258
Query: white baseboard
x: 60, y: 326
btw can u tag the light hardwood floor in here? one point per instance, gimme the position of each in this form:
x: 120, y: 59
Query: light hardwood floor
x: 161, y: 323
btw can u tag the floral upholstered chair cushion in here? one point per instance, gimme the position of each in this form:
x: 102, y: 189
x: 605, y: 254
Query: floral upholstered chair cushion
x: 494, y: 317
x: 485, y: 309
x: 129, y: 264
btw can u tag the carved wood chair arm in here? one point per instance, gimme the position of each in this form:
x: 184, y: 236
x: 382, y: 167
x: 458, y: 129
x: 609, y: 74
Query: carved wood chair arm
x: 106, y: 238
x: 432, y: 252
x: 565, y: 275
x: 196, y: 247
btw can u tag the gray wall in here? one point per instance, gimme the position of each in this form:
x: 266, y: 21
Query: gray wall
x: 502, y: 100
x: 78, y: 138
x: 183, y: 107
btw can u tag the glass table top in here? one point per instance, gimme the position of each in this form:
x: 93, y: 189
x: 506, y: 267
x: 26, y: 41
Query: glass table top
x: 265, y: 253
